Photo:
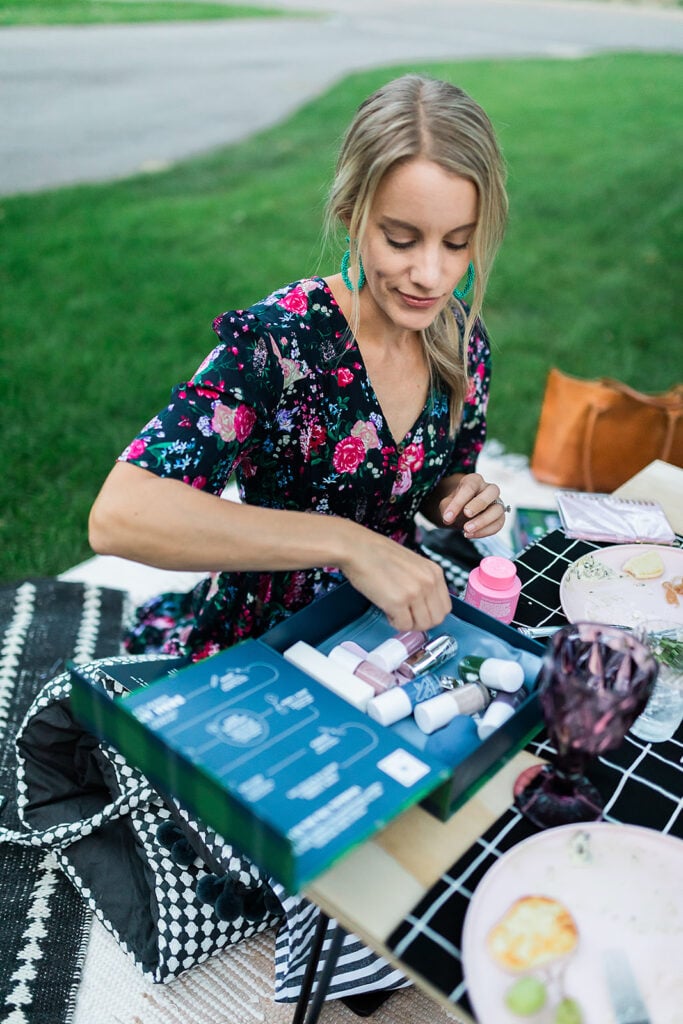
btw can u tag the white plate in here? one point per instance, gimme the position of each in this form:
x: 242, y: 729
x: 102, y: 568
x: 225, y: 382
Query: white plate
x: 620, y: 599
x: 626, y: 893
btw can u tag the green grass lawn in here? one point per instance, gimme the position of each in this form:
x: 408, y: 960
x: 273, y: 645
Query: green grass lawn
x: 104, y: 12
x: 108, y: 291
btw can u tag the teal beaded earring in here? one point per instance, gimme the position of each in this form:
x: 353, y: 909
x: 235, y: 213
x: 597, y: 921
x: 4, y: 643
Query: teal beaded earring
x: 345, y: 263
x: 460, y: 293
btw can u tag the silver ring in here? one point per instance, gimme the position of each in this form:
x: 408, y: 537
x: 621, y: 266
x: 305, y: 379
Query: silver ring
x: 499, y: 501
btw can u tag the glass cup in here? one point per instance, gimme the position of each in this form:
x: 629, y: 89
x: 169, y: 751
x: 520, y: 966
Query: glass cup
x: 664, y: 710
x: 594, y: 682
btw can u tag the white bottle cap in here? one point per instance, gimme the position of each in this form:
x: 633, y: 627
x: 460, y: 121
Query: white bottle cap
x: 390, y: 706
x: 499, y: 674
x: 348, y: 654
x: 388, y: 655
x: 436, y: 712
x: 496, y: 714
x: 334, y: 677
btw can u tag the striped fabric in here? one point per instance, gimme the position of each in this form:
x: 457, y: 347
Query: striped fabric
x: 358, y: 968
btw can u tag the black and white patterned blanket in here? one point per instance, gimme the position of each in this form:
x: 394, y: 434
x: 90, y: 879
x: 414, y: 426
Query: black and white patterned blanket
x: 43, y: 921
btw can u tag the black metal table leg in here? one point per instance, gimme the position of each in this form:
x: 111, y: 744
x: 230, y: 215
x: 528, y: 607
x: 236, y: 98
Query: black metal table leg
x: 326, y: 975
x: 311, y: 968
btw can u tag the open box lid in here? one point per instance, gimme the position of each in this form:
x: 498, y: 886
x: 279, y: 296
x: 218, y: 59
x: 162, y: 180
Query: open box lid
x: 282, y: 768
x: 286, y: 771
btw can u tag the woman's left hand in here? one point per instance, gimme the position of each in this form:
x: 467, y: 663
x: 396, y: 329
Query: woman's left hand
x: 471, y: 504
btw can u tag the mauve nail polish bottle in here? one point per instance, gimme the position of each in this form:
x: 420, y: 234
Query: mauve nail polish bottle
x: 392, y: 652
x: 355, y: 659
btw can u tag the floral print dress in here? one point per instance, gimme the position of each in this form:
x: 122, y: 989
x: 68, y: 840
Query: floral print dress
x: 284, y: 403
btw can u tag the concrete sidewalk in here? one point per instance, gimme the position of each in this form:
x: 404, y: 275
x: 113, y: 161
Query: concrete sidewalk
x: 86, y: 104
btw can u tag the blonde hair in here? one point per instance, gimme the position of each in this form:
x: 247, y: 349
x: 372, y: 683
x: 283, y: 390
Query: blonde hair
x: 417, y: 116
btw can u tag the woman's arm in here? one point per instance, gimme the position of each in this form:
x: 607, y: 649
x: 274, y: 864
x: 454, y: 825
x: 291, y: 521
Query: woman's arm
x: 465, y: 501
x: 166, y: 523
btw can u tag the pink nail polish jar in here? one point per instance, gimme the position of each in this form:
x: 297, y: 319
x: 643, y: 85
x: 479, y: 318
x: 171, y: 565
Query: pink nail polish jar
x: 494, y: 587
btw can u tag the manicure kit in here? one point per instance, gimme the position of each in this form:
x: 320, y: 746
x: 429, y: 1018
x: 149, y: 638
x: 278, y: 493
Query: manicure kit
x: 274, y: 744
x: 474, y: 666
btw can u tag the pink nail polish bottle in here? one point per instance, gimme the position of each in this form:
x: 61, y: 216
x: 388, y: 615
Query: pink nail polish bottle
x: 354, y: 658
x: 494, y: 587
x: 396, y: 649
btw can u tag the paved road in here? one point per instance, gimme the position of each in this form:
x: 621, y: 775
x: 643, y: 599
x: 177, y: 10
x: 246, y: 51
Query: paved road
x: 94, y: 103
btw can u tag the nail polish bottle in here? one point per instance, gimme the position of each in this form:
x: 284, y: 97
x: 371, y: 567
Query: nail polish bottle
x: 355, y: 659
x: 334, y: 677
x: 393, y: 705
x: 463, y: 700
x: 429, y: 657
x: 494, y: 587
x: 499, y: 711
x: 495, y: 673
x: 392, y: 652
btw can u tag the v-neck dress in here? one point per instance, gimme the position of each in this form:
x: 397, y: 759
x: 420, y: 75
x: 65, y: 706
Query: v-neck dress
x: 284, y: 403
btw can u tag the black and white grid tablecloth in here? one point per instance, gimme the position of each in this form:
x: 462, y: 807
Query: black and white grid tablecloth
x: 641, y: 783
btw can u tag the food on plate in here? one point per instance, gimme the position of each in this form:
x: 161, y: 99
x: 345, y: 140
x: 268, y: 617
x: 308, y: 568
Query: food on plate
x: 533, y: 932
x: 672, y: 589
x: 647, y: 565
x: 580, y: 850
x: 588, y: 567
x: 568, y: 1011
x: 526, y: 997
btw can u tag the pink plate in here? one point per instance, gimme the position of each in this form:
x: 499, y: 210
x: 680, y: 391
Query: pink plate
x: 595, y: 588
x: 622, y: 886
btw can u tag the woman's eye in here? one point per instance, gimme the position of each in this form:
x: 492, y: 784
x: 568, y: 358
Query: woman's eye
x: 451, y: 246
x: 395, y: 244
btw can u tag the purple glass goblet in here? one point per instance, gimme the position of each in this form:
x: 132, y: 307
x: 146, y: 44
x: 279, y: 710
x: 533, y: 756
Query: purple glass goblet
x: 594, y: 682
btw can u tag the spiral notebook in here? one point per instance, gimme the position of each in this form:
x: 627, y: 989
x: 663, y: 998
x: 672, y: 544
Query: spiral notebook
x: 603, y: 517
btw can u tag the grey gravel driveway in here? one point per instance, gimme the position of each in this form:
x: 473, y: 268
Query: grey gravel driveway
x: 82, y: 104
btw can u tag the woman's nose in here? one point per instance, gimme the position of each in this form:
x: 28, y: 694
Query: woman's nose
x: 426, y: 270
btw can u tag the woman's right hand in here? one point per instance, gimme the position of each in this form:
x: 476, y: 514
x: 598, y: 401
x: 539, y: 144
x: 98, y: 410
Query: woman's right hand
x: 410, y: 589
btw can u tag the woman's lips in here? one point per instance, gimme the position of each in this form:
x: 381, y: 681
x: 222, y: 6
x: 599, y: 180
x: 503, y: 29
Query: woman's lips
x: 419, y: 303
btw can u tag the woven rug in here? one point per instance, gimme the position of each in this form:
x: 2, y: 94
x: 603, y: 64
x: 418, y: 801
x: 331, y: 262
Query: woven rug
x: 43, y: 922
x: 59, y: 966
x: 235, y: 987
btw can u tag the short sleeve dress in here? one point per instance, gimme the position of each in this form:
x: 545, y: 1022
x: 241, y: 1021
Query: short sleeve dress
x: 283, y: 405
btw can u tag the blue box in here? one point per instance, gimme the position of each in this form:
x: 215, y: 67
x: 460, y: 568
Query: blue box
x: 340, y: 615
x: 284, y: 769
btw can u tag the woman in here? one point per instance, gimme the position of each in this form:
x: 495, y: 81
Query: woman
x: 344, y: 406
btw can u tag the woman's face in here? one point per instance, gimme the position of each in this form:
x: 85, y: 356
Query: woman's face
x: 416, y: 245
